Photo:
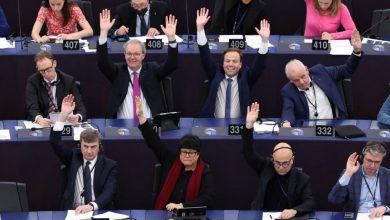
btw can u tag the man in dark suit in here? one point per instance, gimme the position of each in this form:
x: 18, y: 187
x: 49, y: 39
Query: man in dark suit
x: 364, y: 189
x: 131, y: 15
x: 313, y: 93
x: 46, y: 88
x: 91, y: 180
x: 230, y: 85
x: 135, y: 76
x: 282, y: 187
x: 236, y: 16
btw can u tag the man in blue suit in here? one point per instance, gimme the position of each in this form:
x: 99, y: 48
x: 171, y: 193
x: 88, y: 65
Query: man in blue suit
x: 366, y: 188
x: 230, y: 85
x: 313, y: 93
x: 91, y: 178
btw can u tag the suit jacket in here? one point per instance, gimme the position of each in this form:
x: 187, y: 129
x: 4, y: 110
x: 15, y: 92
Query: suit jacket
x: 300, y: 195
x: 105, y: 174
x: 221, y: 12
x: 349, y: 195
x: 295, y: 105
x: 150, y: 77
x: 127, y: 16
x: 247, y: 77
x: 37, y: 98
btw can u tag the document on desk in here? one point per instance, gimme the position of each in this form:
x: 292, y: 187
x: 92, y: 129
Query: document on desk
x: 266, y: 127
x: 226, y: 38
x: 340, y: 47
x: 364, y: 216
x: 71, y: 215
x: 4, y: 43
x: 254, y: 41
x: 164, y: 38
x: 30, y: 124
x: 4, y: 134
x: 271, y: 215
x: 112, y: 216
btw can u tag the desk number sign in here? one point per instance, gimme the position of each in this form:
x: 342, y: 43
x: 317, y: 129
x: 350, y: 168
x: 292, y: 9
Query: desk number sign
x: 237, y: 43
x: 324, y: 130
x: 154, y: 44
x: 235, y: 129
x: 71, y: 45
x: 320, y: 44
x: 67, y: 131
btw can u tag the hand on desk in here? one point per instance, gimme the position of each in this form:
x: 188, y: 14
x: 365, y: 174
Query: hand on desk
x: 288, y: 213
x: 377, y: 212
x: 44, y: 122
x: 83, y: 209
x: 172, y: 206
x: 43, y: 39
x: 74, y: 119
x: 326, y: 36
x: 152, y: 32
x: 123, y: 30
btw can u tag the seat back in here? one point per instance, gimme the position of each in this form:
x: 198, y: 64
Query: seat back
x: 13, y: 197
x: 167, y: 91
x: 345, y: 88
x: 156, y: 182
x: 86, y: 8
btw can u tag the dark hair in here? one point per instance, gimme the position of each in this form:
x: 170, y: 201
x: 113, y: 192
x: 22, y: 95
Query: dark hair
x: 43, y: 54
x: 190, y: 141
x: 375, y: 147
x: 90, y: 135
x: 65, y: 10
x: 233, y: 50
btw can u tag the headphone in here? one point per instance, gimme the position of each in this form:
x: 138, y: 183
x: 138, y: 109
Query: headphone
x: 290, y: 148
x: 101, y: 147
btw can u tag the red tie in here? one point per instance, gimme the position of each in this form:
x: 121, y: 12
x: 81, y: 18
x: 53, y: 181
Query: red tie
x: 136, y: 92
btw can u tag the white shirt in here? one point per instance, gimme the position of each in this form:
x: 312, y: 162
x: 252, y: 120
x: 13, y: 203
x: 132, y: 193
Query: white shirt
x: 138, y: 25
x: 220, y: 102
x: 318, y: 102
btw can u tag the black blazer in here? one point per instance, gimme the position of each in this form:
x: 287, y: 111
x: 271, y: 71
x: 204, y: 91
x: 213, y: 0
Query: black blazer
x: 151, y: 75
x: 221, y: 12
x: 127, y: 16
x: 105, y: 175
x: 37, y: 98
x: 300, y: 194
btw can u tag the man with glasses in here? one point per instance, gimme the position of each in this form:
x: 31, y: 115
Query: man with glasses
x: 136, y: 77
x: 139, y: 18
x: 282, y: 187
x: 45, y: 90
x: 365, y: 188
x: 313, y: 93
x: 186, y: 180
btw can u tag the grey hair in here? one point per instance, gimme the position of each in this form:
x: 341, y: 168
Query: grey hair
x: 135, y: 41
x: 375, y: 148
x: 291, y: 63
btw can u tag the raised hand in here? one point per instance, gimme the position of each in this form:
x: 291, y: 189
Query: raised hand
x: 67, y: 107
x: 352, y: 164
x: 202, y: 17
x: 139, y: 110
x: 105, y: 22
x: 252, y: 114
x: 170, y: 27
x: 264, y: 30
x: 356, y: 41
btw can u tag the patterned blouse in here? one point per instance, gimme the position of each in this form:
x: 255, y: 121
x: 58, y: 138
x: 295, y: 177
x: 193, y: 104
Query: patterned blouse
x: 54, y: 23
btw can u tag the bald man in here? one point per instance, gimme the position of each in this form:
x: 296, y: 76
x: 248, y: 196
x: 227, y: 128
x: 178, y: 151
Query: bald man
x: 282, y: 187
x: 313, y: 93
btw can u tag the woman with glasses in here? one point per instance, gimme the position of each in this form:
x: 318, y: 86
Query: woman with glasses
x: 61, y: 18
x: 186, y: 180
x: 282, y: 187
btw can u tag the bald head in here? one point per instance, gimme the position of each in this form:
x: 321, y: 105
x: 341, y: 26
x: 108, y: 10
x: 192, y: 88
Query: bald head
x: 283, y: 158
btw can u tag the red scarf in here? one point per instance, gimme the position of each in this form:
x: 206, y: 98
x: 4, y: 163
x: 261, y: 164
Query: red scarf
x: 193, y: 185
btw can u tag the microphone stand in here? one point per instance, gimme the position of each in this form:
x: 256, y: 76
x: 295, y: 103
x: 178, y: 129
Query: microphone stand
x: 20, y: 35
x: 189, y: 37
x: 376, y: 24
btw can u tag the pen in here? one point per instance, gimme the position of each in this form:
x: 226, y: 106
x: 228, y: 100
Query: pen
x: 270, y: 216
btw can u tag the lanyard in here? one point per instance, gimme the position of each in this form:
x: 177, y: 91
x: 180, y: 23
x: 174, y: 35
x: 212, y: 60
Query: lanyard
x: 237, y: 25
x: 369, y: 190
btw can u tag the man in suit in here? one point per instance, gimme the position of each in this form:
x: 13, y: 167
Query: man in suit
x: 91, y: 180
x: 136, y: 76
x: 313, y: 93
x: 131, y: 15
x: 46, y: 88
x: 366, y: 188
x: 282, y: 187
x: 230, y: 85
x: 236, y: 16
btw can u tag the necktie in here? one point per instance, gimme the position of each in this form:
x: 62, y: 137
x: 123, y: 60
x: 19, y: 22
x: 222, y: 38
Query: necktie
x: 228, y: 97
x: 87, y: 184
x: 52, y: 106
x: 136, y: 92
x: 144, y: 30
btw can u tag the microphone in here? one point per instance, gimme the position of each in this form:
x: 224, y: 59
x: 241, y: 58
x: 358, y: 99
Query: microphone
x: 385, y: 18
x: 189, y: 37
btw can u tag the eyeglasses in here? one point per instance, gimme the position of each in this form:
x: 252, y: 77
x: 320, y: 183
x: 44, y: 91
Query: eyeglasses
x: 136, y: 55
x: 285, y: 164
x: 48, y: 69
x: 188, y: 153
x: 373, y: 162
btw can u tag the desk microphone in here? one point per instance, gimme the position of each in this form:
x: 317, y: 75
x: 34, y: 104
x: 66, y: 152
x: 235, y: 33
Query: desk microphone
x: 374, y: 25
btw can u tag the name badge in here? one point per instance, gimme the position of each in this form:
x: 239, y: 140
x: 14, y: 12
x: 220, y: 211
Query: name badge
x: 235, y: 129
x: 237, y: 43
x: 320, y: 45
x: 154, y: 44
x: 71, y: 45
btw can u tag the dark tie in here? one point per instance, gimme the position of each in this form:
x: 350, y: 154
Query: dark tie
x: 87, y: 184
x: 136, y: 92
x: 144, y: 30
x: 228, y: 97
x: 52, y: 105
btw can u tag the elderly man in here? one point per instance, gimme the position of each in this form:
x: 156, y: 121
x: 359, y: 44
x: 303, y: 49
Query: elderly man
x: 136, y: 77
x: 45, y: 90
x: 364, y: 188
x: 313, y: 93
x: 139, y: 17
x: 92, y: 177
x: 230, y: 84
x: 282, y: 187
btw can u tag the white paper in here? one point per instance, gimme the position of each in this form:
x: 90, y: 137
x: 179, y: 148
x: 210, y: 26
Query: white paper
x: 112, y: 216
x: 226, y: 38
x: 271, y: 215
x: 72, y: 216
x: 340, y: 47
x: 4, y: 43
x: 5, y: 135
x: 266, y: 127
x: 253, y: 41
x: 164, y: 38
x: 30, y: 124
x: 364, y: 216
x: 307, y: 41
x: 77, y: 129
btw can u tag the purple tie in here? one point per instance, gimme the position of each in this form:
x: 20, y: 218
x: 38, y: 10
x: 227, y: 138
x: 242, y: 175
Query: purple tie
x: 136, y: 92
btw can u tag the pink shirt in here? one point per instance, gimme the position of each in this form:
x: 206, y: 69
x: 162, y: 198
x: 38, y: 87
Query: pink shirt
x: 316, y: 24
x: 54, y: 23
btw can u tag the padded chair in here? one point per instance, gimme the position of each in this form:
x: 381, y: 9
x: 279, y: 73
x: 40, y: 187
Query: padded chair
x: 156, y: 182
x: 345, y: 88
x: 13, y: 197
x: 167, y: 91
